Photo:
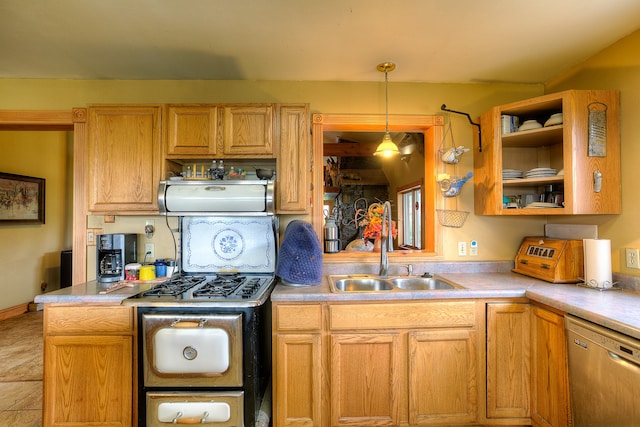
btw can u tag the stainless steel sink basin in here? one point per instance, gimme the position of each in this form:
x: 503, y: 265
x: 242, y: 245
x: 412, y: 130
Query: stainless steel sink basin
x: 362, y: 285
x: 372, y: 283
x: 421, y: 283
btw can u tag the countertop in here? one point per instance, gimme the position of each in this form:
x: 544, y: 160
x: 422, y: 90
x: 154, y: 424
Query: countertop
x: 615, y: 309
x: 90, y: 292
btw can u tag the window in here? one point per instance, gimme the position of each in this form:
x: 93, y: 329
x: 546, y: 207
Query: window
x: 409, y: 210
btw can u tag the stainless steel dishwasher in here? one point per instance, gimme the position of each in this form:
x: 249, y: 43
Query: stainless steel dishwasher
x: 604, y: 375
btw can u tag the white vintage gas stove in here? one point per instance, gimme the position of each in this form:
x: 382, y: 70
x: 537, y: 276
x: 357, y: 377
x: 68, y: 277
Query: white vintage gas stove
x: 204, y: 335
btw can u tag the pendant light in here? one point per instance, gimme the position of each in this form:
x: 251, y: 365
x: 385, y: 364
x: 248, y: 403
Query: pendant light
x: 387, y: 147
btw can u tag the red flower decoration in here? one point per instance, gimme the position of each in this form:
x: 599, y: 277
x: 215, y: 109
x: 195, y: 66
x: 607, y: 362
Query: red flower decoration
x: 372, y: 223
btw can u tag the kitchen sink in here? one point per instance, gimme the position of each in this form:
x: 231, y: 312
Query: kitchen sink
x: 421, y: 283
x: 373, y: 283
x: 362, y: 285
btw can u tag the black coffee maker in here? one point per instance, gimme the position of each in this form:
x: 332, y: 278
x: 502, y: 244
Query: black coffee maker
x: 113, y: 252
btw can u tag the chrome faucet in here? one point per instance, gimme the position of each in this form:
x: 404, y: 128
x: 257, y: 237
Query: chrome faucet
x: 386, y: 239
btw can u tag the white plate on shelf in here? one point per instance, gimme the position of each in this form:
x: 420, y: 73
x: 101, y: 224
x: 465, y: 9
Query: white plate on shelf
x: 542, y: 205
x: 512, y: 174
x: 542, y: 170
x: 540, y: 173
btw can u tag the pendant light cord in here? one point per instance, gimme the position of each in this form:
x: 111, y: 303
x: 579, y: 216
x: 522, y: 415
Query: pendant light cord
x: 386, y: 85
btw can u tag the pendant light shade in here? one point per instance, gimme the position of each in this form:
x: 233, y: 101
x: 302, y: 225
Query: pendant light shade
x: 387, y: 147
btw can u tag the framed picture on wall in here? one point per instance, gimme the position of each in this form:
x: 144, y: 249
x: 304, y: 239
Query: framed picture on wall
x: 21, y: 199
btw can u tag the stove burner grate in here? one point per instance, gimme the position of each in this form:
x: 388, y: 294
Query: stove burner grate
x: 174, y: 287
x: 219, y: 287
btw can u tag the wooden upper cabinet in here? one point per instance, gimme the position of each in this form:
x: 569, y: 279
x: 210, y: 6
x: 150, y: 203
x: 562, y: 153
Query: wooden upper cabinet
x: 128, y: 145
x: 583, y: 147
x: 191, y: 130
x: 293, y: 174
x: 248, y: 130
x: 124, y: 158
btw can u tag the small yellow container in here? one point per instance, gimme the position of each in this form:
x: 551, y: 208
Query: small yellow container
x: 147, y: 272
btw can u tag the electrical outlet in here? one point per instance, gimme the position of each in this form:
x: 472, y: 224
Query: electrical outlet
x: 633, y: 258
x: 149, y: 251
x: 92, y: 235
x: 473, y: 248
x: 462, y: 248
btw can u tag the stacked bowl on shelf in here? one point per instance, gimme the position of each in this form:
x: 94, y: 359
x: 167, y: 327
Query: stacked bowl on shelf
x: 510, y: 124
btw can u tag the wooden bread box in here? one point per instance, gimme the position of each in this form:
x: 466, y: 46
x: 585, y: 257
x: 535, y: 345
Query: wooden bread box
x: 552, y: 260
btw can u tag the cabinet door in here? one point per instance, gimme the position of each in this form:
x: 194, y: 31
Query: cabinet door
x: 88, y: 380
x: 366, y: 379
x: 508, y: 353
x: 248, y: 130
x: 443, y: 377
x: 298, y: 380
x: 191, y: 130
x: 294, y: 153
x: 549, y: 372
x: 124, y: 159
x: 585, y: 143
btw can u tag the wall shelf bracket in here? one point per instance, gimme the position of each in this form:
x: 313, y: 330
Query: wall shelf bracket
x: 444, y: 108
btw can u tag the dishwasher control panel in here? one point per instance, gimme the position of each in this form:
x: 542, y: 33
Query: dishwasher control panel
x: 588, y: 333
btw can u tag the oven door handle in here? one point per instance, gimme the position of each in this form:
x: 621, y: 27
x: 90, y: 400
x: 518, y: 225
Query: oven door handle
x: 188, y: 323
x: 192, y: 420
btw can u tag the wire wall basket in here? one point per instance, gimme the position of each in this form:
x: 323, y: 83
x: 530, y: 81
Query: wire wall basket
x: 451, y: 185
x: 451, y: 218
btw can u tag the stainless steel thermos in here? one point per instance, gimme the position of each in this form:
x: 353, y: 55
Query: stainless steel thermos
x: 331, y: 241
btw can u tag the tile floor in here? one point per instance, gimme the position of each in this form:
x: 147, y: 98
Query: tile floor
x: 21, y: 393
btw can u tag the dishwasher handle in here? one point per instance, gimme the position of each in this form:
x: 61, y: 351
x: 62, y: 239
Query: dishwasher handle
x: 624, y: 362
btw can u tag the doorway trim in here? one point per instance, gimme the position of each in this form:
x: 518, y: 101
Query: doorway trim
x: 71, y: 121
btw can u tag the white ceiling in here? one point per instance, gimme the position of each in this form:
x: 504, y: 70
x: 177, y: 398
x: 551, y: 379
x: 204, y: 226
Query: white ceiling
x: 331, y: 40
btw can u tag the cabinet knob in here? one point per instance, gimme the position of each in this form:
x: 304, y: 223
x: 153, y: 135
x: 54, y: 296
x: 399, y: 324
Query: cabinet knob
x: 597, y: 181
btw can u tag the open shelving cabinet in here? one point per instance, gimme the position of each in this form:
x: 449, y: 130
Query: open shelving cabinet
x: 564, y: 147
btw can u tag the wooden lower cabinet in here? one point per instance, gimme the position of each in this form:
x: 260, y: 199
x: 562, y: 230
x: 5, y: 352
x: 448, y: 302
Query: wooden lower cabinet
x: 298, y: 384
x: 379, y: 364
x: 508, y: 367
x: 443, y: 377
x: 550, y: 405
x: 88, y: 365
x: 367, y: 372
x: 298, y: 367
x: 419, y: 363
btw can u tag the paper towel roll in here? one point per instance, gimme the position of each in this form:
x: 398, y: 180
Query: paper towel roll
x: 597, y: 263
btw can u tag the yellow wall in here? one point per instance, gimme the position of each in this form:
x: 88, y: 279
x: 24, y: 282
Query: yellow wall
x: 30, y: 254
x: 617, y: 67
x: 498, y: 238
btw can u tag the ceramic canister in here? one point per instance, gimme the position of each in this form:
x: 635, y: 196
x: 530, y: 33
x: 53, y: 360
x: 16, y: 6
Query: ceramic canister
x: 132, y: 271
x: 147, y: 272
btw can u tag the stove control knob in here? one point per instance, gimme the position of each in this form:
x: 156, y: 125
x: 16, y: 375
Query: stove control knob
x: 189, y: 353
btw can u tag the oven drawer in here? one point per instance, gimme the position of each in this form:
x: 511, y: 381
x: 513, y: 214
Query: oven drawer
x: 220, y: 409
x: 192, y: 350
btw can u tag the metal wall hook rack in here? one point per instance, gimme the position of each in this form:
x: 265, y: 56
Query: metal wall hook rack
x: 444, y: 108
